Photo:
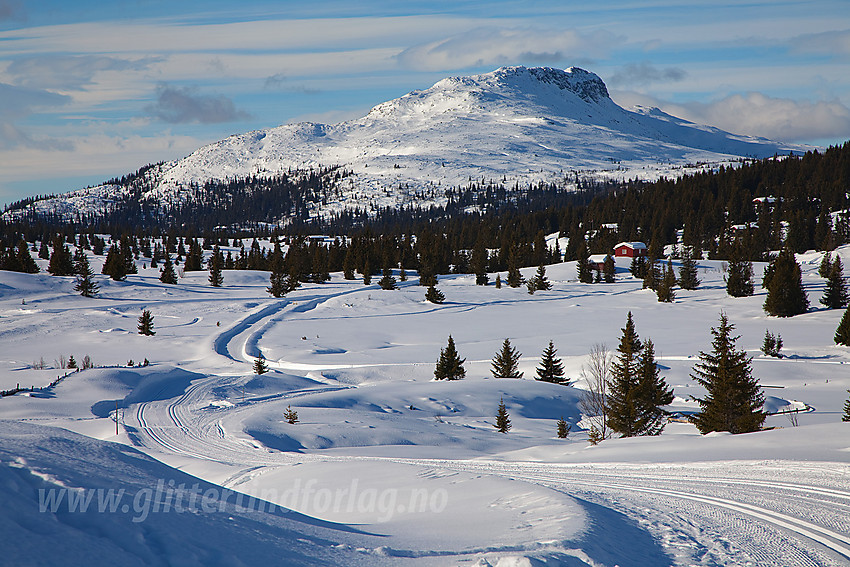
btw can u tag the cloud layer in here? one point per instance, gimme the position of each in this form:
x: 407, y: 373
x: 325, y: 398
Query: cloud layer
x: 181, y: 105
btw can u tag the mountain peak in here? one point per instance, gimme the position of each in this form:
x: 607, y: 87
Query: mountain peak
x: 584, y: 84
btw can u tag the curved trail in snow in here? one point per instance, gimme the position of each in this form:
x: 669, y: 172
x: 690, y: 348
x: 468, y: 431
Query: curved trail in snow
x: 728, y: 512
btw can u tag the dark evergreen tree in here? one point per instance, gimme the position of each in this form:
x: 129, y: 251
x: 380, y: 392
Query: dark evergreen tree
x: 434, y: 295
x: 609, y: 269
x: 734, y: 399
x: 655, y: 392
x: 688, y: 271
x: 825, y: 266
x: 25, y: 262
x: 541, y: 282
x: 739, y: 276
x: 290, y: 415
x: 665, y: 291
x: 61, y: 261
x: 551, y: 367
x: 563, y: 428
x: 846, y: 416
x: 835, y: 294
x: 785, y: 294
x: 450, y: 364
x: 387, y: 282
x: 515, y: 278
x: 260, y: 366
x: 772, y: 344
x: 506, y: 362
x: 168, y: 275
x: 503, y: 420
x: 652, y: 277
x: 146, y: 323
x: 86, y: 286
x: 842, y: 333
x: 72, y: 363
x: 584, y: 271
x: 478, y: 262
x: 43, y: 250
x: 114, y: 266
x: 623, y: 400
x: 638, y: 267
x: 216, y: 266
x: 498, y: 281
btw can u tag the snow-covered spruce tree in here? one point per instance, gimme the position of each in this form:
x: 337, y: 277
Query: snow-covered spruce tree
x: 168, y: 275
x: 290, y: 415
x: 146, y: 323
x: 842, y: 333
x: 623, y: 399
x: 584, y: 271
x: 846, y: 416
x: 655, y: 392
x: 551, y: 368
x: 86, y: 286
x: 216, y: 267
x: 594, y: 436
x: 734, y: 398
x: 503, y: 420
x: 563, y: 428
x: 835, y: 294
x: 450, y: 365
x: 609, y: 269
x: 541, y: 282
x: 506, y: 362
x: 260, y: 366
x: 72, y: 362
x: 784, y: 282
x: 688, y: 270
x: 434, y: 295
x: 387, y: 282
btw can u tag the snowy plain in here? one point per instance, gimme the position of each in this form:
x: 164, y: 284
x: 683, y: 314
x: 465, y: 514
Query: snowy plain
x: 386, y: 465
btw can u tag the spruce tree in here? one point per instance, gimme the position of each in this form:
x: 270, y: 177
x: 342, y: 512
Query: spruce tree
x: 563, y: 428
x: 785, y: 294
x: 594, y: 436
x: 772, y: 344
x: 835, y: 294
x: 61, y: 262
x: 290, y: 415
x: 734, y: 399
x: 541, y: 283
x: 652, y: 277
x: 825, y: 266
x: 114, y: 266
x: 479, y: 261
x: 450, y: 365
x: 846, y: 416
x: 609, y: 269
x: 503, y: 420
x: 506, y: 362
x: 498, y: 281
x: 85, y: 285
x: 623, y: 400
x: 688, y: 271
x: 434, y: 295
x: 146, y: 324
x: 664, y: 290
x: 638, y: 267
x: 260, y: 366
x: 216, y: 265
x: 584, y: 271
x: 655, y: 392
x: 26, y: 264
x: 842, y: 333
x: 168, y: 275
x: 739, y: 275
x: 72, y: 362
x: 515, y: 278
x: 551, y: 367
x: 387, y: 282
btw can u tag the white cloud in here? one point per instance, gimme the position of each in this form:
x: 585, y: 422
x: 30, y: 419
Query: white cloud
x: 757, y: 114
x: 69, y: 72
x: 835, y: 43
x: 644, y: 74
x: 489, y: 46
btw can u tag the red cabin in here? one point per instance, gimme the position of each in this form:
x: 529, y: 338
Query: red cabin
x: 630, y: 249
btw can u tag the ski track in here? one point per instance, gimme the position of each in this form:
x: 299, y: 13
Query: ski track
x: 745, y: 514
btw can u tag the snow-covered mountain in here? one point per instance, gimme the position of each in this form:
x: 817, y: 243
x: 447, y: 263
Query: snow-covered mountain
x: 515, y: 124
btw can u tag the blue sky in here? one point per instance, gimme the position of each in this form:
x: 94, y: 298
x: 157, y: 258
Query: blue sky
x: 90, y: 90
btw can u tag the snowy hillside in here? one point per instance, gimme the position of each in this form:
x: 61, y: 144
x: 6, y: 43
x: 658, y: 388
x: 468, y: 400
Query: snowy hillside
x: 516, y: 124
x: 386, y: 465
